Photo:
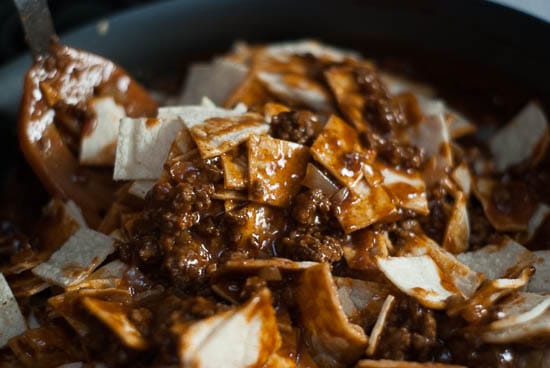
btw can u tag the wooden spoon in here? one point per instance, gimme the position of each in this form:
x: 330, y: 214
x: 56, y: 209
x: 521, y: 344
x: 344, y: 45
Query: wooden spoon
x: 56, y: 91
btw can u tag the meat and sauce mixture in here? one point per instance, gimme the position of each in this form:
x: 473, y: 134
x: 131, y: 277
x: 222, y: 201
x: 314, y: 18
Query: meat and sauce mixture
x: 295, y: 207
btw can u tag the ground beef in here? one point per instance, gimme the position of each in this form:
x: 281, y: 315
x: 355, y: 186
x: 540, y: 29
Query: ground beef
x: 440, y: 203
x: 315, y: 236
x: 167, y: 232
x: 311, y: 208
x: 411, y: 333
x: 299, y: 126
x: 309, y: 244
x: 393, y: 152
x: 481, y: 229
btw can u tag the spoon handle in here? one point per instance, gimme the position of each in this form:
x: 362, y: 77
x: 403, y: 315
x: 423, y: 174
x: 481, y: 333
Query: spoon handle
x: 38, y: 25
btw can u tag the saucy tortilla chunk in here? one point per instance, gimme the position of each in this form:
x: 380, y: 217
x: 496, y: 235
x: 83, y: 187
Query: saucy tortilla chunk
x: 297, y: 207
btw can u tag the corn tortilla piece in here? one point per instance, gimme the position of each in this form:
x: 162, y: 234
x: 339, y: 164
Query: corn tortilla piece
x: 99, y: 138
x: 298, y: 90
x: 316, y: 179
x: 271, y: 109
x: 12, y: 322
x: 333, y: 340
x: 539, y: 217
x: 376, y: 332
x: 540, y: 281
x: 463, y: 178
x: 276, y: 169
x: 364, y: 206
x: 432, y: 136
x: 526, y: 318
x: 282, y: 50
x: 360, y: 299
x: 192, y: 115
x: 219, y: 135
x: 332, y: 147
x: 498, y: 260
x: 524, y: 139
x: 421, y: 278
x: 76, y: 259
x: 235, y: 170
x: 143, y: 146
x: 397, y: 84
x: 519, y: 309
x: 457, y: 233
x: 217, y: 80
x: 407, y: 189
x: 458, y: 125
x: 383, y: 363
x: 26, y: 284
x: 211, y: 342
x: 114, y: 316
x: 254, y: 265
x: 476, y: 308
x: 228, y: 194
x: 463, y: 277
x: 351, y: 101
x: 140, y: 188
x: 525, y: 218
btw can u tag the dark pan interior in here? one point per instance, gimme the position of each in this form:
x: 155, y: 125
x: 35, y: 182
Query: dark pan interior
x: 158, y: 38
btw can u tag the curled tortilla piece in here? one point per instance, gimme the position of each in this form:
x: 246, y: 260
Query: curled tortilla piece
x: 477, y: 308
x: 540, y: 282
x: 276, y: 169
x: 383, y: 363
x: 457, y: 233
x: 12, y: 321
x: 421, y: 278
x: 463, y: 178
x: 523, y: 214
x: 521, y: 308
x: 298, y: 90
x: 432, y: 136
x: 216, y: 80
x: 499, y: 260
x: 459, y: 274
x: 115, y: 317
x: 524, y: 139
x: 76, y: 259
x: 332, y: 340
x: 376, y: 332
x: 219, y: 135
x: 99, y: 138
x: 527, y: 318
x: 211, y: 342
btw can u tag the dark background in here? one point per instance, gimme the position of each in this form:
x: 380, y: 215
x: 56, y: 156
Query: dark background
x: 67, y: 14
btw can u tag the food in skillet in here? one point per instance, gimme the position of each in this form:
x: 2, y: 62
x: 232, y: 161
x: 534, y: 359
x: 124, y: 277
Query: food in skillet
x: 300, y: 208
